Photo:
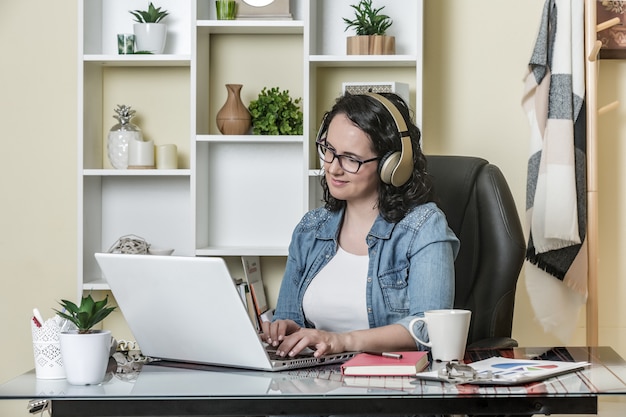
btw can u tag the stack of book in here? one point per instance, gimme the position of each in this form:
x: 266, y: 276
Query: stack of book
x: 252, y: 291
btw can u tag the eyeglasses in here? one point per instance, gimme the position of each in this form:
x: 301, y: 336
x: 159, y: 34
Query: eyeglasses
x: 461, y: 373
x: 346, y: 162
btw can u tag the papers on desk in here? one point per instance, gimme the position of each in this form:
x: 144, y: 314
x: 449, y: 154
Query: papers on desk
x: 503, y: 371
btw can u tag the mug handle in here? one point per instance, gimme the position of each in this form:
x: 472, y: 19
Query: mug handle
x: 412, y: 323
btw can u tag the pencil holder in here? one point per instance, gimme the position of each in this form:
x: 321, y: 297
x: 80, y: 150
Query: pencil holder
x: 47, y: 350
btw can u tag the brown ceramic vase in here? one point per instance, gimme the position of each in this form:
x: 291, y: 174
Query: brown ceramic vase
x: 233, y: 118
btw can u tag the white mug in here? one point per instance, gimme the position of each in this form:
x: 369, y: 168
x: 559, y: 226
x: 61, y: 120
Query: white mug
x: 447, y: 333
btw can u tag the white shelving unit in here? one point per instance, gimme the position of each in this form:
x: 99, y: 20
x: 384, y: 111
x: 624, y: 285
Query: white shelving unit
x: 234, y: 195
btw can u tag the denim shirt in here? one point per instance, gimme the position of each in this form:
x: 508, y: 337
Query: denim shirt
x: 411, y: 265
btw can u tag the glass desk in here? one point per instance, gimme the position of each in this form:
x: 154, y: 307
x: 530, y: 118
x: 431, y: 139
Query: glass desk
x: 157, y: 390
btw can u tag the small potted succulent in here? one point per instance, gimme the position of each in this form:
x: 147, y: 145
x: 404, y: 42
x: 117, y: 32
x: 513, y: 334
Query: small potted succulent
x: 85, y: 351
x: 274, y: 112
x: 370, y: 25
x: 150, y: 32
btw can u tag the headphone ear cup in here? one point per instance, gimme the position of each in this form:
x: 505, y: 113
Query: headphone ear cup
x: 388, y: 165
x: 396, y: 168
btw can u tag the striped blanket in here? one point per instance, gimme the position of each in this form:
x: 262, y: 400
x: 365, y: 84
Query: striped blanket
x: 556, y: 185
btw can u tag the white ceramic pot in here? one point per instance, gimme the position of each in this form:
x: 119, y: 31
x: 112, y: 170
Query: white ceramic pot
x: 85, y: 356
x: 150, y: 37
x: 117, y: 146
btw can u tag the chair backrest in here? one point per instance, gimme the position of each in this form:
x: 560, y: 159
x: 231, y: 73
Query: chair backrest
x: 480, y: 209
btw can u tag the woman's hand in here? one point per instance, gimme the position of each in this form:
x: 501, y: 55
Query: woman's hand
x: 290, y: 339
x: 274, y: 332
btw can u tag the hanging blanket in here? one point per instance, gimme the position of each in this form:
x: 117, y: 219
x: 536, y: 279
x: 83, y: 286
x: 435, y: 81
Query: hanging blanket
x: 556, y: 188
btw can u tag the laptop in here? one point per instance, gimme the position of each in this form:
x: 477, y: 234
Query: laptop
x: 188, y: 309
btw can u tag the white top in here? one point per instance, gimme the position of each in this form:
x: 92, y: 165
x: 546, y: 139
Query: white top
x: 335, y: 298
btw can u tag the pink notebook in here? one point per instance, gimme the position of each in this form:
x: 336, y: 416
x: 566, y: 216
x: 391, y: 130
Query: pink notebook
x: 367, y: 364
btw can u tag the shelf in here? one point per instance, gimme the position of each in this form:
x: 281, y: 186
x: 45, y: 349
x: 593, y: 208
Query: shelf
x: 250, y: 138
x: 363, y: 60
x: 136, y: 172
x: 96, y: 285
x: 236, y: 27
x: 139, y: 60
x: 235, y: 195
x: 242, y: 251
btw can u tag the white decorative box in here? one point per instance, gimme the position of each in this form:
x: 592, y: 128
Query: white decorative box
x: 401, y: 89
x: 263, y: 9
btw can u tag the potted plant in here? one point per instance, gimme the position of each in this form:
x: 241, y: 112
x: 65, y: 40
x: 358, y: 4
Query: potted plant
x: 371, y: 27
x: 150, y: 33
x: 274, y: 112
x: 85, y: 352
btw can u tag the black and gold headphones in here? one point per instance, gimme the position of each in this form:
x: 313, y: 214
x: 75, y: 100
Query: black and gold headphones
x: 395, y: 168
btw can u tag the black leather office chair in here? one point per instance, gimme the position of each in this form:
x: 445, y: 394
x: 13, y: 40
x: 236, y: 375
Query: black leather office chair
x: 480, y: 209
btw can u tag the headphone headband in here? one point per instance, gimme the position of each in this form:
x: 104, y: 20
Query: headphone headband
x: 396, y: 168
x: 395, y: 113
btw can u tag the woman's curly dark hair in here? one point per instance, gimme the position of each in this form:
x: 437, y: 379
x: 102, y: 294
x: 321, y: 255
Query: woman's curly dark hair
x: 375, y: 120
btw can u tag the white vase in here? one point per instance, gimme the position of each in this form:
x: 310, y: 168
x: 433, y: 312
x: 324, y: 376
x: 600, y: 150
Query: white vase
x: 85, y: 356
x: 150, y: 37
x: 121, y: 135
x: 117, y: 146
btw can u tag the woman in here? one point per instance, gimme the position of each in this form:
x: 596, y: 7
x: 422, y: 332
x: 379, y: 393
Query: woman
x: 379, y: 253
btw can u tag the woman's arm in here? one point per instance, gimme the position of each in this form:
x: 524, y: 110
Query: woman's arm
x: 385, y: 338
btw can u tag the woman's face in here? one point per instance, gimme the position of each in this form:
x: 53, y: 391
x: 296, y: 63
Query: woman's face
x: 345, y: 138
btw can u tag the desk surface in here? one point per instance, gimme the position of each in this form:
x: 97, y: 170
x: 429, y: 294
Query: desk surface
x: 323, y: 390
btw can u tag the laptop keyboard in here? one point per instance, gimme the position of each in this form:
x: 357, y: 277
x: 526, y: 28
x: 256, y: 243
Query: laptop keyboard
x: 271, y: 352
x: 304, y: 359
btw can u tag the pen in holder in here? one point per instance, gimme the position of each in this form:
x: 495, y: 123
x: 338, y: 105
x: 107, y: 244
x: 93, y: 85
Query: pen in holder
x: 47, y: 348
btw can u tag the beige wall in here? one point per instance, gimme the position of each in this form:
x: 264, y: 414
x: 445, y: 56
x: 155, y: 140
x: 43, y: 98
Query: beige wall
x: 475, y: 59
x: 37, y: 173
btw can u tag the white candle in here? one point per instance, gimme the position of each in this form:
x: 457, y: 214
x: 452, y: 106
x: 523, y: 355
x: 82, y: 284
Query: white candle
x: 166, y: 157
x: 140, y: 154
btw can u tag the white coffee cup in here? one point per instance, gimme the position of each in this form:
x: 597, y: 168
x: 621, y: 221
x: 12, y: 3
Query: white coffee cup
x: 447, y: 333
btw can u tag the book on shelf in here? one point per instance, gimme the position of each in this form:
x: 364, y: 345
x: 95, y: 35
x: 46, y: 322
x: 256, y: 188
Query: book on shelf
x: 407, y: 363
x: 246, y: 298
x: 254, y: 279
x: 241, y: 289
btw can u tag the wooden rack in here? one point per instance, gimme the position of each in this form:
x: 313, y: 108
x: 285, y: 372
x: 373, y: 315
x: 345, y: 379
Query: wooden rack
x: 592, y: 49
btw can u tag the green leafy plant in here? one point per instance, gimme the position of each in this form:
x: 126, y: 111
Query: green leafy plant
x: 368, y: 20
x: 274, y: 112
x: 152, y: 15
x: 87, y: 314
